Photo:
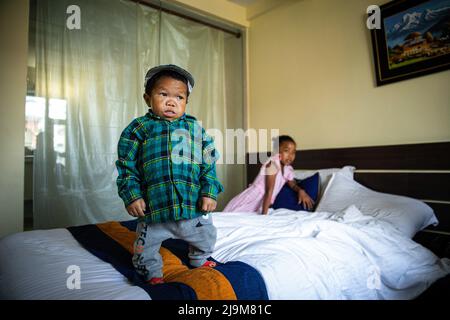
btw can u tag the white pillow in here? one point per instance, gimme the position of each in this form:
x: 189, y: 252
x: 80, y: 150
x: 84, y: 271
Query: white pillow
x: 406, y: 214
x: 324, y: 176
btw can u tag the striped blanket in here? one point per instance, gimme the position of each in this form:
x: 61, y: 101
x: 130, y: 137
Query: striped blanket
x: 113, y: 242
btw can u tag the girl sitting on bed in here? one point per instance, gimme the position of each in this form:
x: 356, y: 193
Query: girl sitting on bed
x: 275, y: 172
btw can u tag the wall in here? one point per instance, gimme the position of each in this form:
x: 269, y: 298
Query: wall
x: 222, y: 9
x: 13, y: 63
x: 311, y: 74
x: 262, y: 6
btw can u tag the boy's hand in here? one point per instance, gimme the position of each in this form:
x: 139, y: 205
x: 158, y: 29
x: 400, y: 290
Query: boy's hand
x: 304, y: 198
x: 207, y: 204
x: 137, y: 208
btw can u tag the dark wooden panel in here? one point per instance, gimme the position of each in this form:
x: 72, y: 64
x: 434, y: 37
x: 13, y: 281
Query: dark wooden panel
x: 252, y: 172
x: 436, y: 292
x: 439, y: 244
x: 430, y: 186
x: 442, y: 211
x: 426, y: 156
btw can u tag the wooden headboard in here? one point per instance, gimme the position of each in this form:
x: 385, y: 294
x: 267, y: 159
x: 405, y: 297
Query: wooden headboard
x: 420, y: 171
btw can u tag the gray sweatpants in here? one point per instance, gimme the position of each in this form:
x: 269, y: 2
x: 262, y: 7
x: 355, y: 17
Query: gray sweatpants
x: 199, y: 232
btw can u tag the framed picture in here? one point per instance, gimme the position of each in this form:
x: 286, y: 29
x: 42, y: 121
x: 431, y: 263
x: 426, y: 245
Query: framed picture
x: 413, y: 39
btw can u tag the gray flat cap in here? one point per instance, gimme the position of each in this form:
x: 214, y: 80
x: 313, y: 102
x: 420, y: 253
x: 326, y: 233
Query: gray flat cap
x: 170, y: 67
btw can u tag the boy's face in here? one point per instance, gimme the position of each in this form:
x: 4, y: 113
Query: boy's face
x: 287, y: 153
x: 168, y: 98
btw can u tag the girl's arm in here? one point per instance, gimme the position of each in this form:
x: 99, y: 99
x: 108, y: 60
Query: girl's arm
x: 302, y: 195
x: 293, y: 185
x: 269, y: 185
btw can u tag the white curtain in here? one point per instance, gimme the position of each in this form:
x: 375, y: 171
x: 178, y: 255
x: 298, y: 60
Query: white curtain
x: 91, y: 84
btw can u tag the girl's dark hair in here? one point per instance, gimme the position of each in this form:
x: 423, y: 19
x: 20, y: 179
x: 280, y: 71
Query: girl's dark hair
x: 277, y: 141
x: 167, y: 73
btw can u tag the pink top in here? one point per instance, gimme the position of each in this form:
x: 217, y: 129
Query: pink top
x: 250, y: 200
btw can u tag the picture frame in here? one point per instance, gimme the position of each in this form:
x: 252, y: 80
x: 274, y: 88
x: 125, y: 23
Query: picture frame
x: 413, y: 39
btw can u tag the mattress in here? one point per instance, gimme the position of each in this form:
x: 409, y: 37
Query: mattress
x: 298, y: 254
x: 37, y: 265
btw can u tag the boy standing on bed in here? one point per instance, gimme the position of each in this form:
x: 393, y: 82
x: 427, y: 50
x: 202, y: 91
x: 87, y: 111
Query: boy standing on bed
x: 167, y: 174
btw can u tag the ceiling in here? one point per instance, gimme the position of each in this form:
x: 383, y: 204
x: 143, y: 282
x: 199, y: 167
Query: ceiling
x: 244, y: 3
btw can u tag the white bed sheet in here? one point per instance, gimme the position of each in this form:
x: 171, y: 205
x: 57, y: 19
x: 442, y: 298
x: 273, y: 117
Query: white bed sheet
x: 300, y: 255
x: 319, y: 255
x: 33, y: 266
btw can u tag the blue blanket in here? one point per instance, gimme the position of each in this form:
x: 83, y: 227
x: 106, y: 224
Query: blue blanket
x: 113, y: 243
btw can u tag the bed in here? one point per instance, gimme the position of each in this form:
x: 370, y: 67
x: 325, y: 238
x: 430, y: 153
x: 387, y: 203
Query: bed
x: 341, y: 251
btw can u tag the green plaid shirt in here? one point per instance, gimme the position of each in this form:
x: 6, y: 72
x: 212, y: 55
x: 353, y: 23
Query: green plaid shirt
x: 168, y: 164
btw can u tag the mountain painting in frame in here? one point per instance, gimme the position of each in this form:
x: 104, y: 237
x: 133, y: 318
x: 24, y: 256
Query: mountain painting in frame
x: 414, y: 39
